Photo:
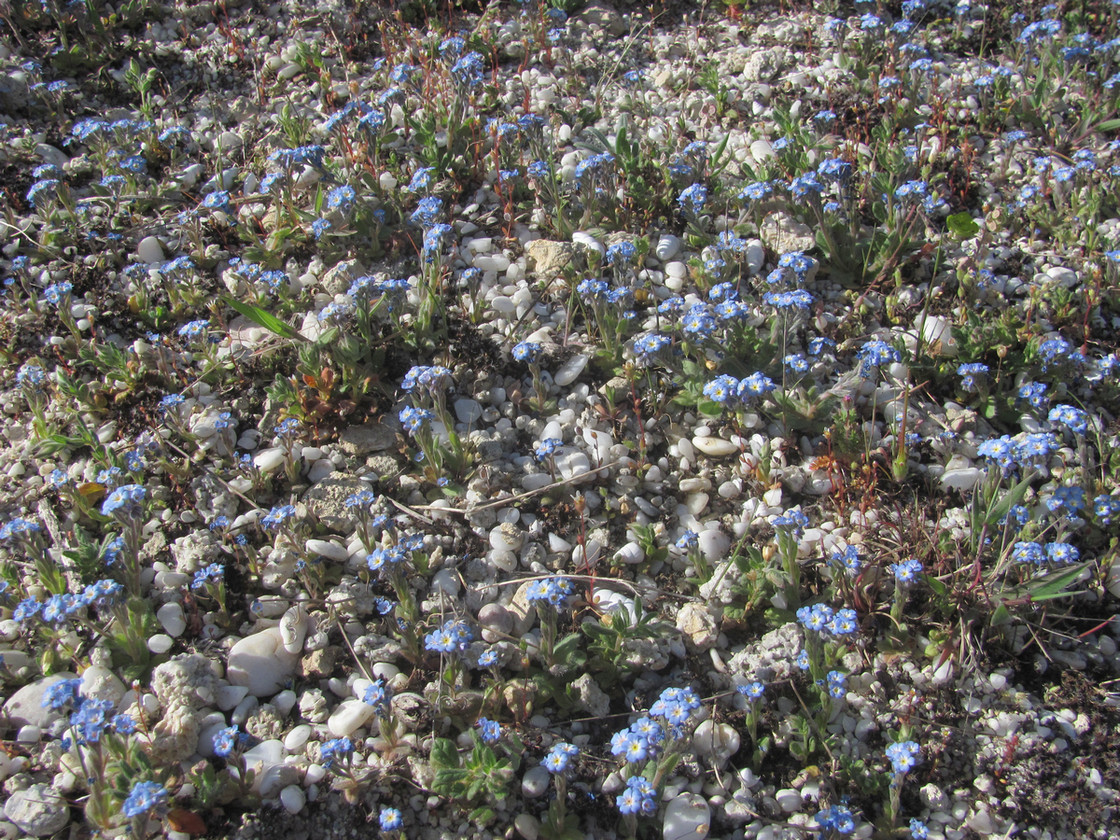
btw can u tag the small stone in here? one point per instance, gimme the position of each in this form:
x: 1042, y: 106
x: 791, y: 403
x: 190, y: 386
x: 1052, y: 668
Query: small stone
x: 961, y: 479
x: 37, y: 810
x: 715, y: 741
x: 29, y: 734
x: 783, y: 233
x: 293, y: 629
x: 150, y: 250
x: 713, y: 544
x: 269, y: 460
x: 468, y: 411
x: 293, y: 799
x: 160, y: 643
x: 261, y: 663
x: 548, y: 258
x: 367, y: 438
x: 937, y: 336
x: 535, y: 781
x: 329, y: 549
x: 687, y: 817
x: 570, y: 370
x: 590, y: 697
x: 697, y: 626
x: 295, y: 740
x: 171, y: 618
x: 667, y: 247
x: 350, y: 716
x: 527, y: 826
x: 789, y: 800
x: 715, y: 446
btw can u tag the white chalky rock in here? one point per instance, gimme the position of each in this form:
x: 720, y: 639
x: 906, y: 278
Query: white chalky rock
x: 293, y: 799
x: 293, y: 629
x: 714, y: 446
x: 160, y: 643
x: 228, y: 696
x: 667, y: 247
x: 570, y: 370
x: 295, y: 740
x: 37, y: 810
x: 687, y: 818
x: 761, y: 151
x: 260, y: 663
x: 586, y: 240
x: 713, y: 544
x: 964, y: 478
x: 102, y: 684
x: 171, y: 618
x: 937, y: 335
x: 26, y: 705
x: 269, y: 460
x: 572, y: 464
x: 319, y: 470
x: 349, y: 717
x: 329, y: 549
x: 150, y: 250
x: 789, y: 800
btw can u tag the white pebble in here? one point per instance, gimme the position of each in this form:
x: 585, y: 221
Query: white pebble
x: 293, y: 799
x: 160, y: 643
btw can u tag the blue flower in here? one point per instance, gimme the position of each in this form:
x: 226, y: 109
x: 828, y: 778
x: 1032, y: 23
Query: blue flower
x: 145, y: 797
x: 621, y: 253
x: 227, y: 740
x: 752, y: 690
x: 1071, y: 417
x: 61, y: 694
x: 427, y: 211
x: 379, y: 696
x: 390, y: 818
x: 527, y: 352
x: 337, y: 748
x: 723, y: 389
x: 547, y: 448
x: 907, y: 571
x: 1060, y: 552
x: 559, y: 757
x: 693, y: 198
x: 452, y: 637
x: 488, y: 659
x: 647, y: 347
x: 876, y: 353
x: 837, y: 818
x: 904, y: 755
x: 489, y: 730
x: 125, y: 501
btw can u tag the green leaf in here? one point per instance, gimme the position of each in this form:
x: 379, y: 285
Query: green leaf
x: 1109, y: 125
x: 1053, y: 586
x: 1001, y: 617
x: 263, y: 318
x: 962, y: 225
x: 445, y: 753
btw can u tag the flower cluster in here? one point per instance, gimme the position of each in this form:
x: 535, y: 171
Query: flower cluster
x: 904, y: 755
x: 452, y: 637
x: 554, y: 591
x: 820, y: 618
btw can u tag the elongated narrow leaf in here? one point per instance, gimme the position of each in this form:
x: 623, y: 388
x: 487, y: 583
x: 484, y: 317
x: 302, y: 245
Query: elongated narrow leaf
x: 262, y: 318
x: 1054, y: 586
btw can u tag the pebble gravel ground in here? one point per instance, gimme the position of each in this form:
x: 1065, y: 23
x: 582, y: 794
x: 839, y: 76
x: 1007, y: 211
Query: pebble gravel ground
x: 559, y: 419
